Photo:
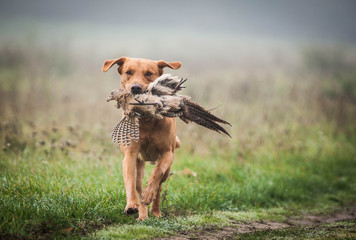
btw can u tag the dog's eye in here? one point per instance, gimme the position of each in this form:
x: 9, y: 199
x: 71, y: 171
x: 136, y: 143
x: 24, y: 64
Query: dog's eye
x: 129, y: 72
x: 148, y: 74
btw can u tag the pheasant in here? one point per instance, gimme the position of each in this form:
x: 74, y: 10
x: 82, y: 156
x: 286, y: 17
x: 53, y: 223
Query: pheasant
x: 159, y: 100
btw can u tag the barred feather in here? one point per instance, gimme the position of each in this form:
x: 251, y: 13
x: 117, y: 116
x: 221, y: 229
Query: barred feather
x: 116, y: 133
x: 125, y: 138
x: 135, y: 132
x: 125, y: 130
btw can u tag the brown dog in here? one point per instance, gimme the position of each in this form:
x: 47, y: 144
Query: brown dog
x: 157, y: 141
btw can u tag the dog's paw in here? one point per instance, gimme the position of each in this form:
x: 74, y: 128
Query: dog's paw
x: 149, y: 194
x: 156, y: 212
x: 142, y: 218
x: 142, y: 213
x: 131, y: 209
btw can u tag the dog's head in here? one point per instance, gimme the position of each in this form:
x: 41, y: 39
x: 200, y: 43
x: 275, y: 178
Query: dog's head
x: 137, y: 74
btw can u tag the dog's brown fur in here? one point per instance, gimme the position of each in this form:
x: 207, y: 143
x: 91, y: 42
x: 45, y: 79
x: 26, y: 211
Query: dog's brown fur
x: 157, y: 141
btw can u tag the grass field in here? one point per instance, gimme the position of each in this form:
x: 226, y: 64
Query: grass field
x: 292, y: 151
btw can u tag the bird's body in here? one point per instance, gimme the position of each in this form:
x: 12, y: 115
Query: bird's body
x: 158, y: 101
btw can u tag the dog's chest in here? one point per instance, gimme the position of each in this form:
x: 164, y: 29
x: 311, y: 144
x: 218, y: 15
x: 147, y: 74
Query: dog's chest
x: 155, y: 139
x: 149, y: 151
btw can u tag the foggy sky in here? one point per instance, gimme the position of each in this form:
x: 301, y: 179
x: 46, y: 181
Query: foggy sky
x: 324, y: 20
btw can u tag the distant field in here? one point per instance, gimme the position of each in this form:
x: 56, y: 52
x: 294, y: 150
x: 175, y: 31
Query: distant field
x: 292, y: 150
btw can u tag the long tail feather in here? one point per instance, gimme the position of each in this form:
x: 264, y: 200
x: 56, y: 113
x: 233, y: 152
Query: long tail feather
x: 195, y: 113
x: 208, y: 124
x: 199, y: 110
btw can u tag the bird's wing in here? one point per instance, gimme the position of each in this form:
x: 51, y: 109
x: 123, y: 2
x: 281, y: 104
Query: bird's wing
x: 126, y: 130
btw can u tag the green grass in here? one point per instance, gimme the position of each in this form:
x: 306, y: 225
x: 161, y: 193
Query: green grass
x: 293, y: 146
x: 55, y: 189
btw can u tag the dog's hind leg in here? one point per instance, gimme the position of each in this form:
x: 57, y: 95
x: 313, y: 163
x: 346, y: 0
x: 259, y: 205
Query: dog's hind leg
x: 155, y: 207
x: 155, y: 180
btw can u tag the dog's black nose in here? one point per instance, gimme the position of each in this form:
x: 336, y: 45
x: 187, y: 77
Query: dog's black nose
x: 136, y: 89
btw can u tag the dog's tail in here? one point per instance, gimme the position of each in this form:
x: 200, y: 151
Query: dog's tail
x: 177, y: 142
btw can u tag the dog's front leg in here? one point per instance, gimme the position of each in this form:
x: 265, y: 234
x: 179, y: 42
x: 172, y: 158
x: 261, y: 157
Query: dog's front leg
x: 153, y: 183
x: 142, y: 209
x: 130, y: 174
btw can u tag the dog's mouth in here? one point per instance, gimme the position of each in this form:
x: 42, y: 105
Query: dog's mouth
x: 144, y: 90
x: 136, y: 92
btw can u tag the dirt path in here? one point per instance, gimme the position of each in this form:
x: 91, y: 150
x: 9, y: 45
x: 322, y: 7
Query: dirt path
x: 238, y: 228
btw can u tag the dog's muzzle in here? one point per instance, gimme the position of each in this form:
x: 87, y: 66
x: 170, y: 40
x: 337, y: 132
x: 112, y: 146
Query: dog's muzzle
x: 136, y: 89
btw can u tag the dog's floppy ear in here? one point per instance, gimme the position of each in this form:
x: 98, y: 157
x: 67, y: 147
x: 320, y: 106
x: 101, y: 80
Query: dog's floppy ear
x: 109, y: 63
x: 174, y: 65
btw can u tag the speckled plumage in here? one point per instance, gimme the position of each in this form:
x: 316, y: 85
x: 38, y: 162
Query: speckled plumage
x: 125, y: 130
x: 159, y: 100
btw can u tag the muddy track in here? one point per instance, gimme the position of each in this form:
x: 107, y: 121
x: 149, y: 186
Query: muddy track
x: 234, y: 230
